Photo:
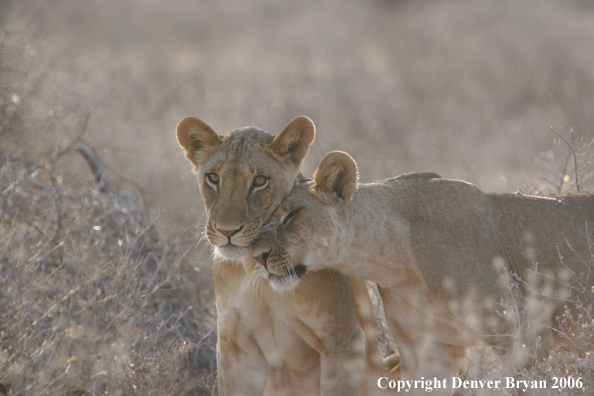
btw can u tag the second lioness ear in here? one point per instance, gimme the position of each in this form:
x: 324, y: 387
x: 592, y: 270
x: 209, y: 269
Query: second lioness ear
x: 197, y: 138
x: 294, y: 140
x: 337, y: 174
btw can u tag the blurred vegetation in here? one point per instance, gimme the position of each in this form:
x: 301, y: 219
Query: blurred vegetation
x: 467, y: 89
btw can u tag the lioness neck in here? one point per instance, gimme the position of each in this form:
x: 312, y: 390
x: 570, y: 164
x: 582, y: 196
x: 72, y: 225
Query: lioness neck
x: 375, y: 239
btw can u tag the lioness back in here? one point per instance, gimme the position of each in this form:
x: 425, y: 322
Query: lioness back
x: 531, y: 234
x: 548, y: 235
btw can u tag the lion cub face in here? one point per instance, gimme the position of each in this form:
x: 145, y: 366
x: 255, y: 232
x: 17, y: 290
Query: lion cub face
x: 303, y: 232
x: 243, y: 177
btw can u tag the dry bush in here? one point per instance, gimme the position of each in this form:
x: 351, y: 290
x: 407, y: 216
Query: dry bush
x: 572, y: 361
x: 90, y: 291
x: 568, y: 171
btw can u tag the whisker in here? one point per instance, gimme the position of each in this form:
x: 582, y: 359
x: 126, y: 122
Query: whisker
x: 291, y: 280
x: 255, y: 281
x: 259, y: 284
x: 268, y: 225
x: 202, y: 237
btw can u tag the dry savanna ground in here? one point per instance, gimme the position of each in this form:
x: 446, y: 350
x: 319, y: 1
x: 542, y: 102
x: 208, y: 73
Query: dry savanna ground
x: 105, y: 285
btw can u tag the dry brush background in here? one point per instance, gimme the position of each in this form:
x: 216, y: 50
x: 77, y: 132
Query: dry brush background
x: 105, y: 289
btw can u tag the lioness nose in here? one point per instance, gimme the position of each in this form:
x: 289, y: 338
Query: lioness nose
x: 262, y: 259
x: 230, y: 233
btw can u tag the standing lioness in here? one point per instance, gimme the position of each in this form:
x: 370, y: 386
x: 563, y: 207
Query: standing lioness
x: 308, y: 342
x: 457, y: 267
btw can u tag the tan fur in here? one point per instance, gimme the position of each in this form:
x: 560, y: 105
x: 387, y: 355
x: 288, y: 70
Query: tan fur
x: 318, y: 338
x: 456, y: 267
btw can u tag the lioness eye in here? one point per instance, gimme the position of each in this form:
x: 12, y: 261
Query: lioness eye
x: 290, y: 216
x: 213, y: 178
x: 259, y: 181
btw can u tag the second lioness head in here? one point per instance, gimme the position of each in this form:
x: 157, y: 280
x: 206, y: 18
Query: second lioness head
x: 303, y: 233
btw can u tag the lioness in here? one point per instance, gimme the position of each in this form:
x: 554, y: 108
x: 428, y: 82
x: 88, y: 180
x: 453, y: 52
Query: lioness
x: 457, y: 267
x: 308, y: 342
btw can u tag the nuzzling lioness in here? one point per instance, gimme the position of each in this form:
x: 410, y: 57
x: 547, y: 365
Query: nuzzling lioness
x: 457, y: 267
x: 308, y: 342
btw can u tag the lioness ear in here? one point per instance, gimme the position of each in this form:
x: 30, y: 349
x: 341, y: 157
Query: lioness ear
x: 294, y: 139
x: 197, y: 138
x: 337, y: 173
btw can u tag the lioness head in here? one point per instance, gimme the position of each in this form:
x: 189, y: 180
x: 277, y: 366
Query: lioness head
x: 304, y: 229
x: 243, y: 176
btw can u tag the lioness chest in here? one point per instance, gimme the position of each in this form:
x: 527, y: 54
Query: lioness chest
x: 266, y: 317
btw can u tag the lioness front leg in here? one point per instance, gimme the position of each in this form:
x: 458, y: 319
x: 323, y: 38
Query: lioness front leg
x: 420, y: 352
x: 241, y: 368
x: 332, y: 329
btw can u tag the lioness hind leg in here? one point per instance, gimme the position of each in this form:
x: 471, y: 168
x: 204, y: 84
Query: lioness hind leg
x: 375, y: 365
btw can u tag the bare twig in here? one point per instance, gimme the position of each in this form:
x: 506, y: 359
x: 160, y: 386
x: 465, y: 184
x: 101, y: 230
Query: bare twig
x: 570, y: 146
x: 83, y: 129
x: 98, y: 167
